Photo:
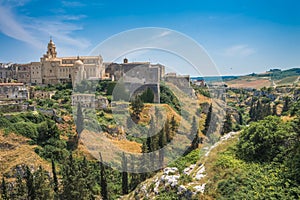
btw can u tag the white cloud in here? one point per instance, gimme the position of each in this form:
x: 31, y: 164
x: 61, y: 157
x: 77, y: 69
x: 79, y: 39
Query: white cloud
x: 12, y: 28
x: 73, y: 17
x: 34, y: 30
x: 72, y: 4
x: 239, y: 50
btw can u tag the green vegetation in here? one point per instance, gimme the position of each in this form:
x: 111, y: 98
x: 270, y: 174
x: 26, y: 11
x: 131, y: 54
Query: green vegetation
x: 201, y: 90
x: 263, y: 164
x: 187, y: 160
x: 167, y: 97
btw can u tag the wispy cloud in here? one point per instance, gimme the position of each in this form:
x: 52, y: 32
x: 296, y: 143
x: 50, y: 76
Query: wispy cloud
x: 239, y: 50
x: 12, y: 28
x: 33, y: 30
x: 73, y: 17
x: 72, y: 4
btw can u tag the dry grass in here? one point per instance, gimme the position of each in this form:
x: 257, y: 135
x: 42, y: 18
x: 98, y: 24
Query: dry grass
x: 249, y: 82
x: 15, y: 150
x: 287, y: 118
x: 128, y: 146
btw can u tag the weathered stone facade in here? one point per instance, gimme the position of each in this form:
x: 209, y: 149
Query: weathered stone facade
x: 61, y: 70
x: 13, y: 92
x: 89, y: 101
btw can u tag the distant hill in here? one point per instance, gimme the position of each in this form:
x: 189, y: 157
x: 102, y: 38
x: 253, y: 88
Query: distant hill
x: 273, y: 77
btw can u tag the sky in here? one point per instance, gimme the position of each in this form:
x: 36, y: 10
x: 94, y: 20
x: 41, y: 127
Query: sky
x: 240, y: 36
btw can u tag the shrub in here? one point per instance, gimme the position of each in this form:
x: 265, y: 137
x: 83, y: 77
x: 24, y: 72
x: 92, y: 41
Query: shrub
x: 26, y: 129
x: 264, y: 140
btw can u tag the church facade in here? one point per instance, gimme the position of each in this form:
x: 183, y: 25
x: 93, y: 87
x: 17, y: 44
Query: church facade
x: 52, y: 69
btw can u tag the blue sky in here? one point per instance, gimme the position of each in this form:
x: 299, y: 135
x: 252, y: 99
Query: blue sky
x: 240, y: 36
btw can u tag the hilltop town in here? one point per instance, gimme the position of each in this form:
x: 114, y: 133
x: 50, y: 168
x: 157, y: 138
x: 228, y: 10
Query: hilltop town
x: 54, y: 109
x: 18, y: 81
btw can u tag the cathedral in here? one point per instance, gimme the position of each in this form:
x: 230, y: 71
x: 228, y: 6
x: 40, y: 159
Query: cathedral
x: 52, y: 69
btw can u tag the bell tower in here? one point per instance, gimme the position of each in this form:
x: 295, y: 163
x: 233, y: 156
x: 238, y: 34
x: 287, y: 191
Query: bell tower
x: 51, y: 50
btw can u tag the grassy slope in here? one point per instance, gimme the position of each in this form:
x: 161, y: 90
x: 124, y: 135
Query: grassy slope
x: 15, y: 150
x: 286, y: 77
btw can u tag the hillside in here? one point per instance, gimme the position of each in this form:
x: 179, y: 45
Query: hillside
x: 16, y: 152
x: 236, y: 167
x: 267, y: 79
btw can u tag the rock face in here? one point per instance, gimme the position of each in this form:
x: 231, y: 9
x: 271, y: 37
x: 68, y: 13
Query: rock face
x: 171, y: 179
x: 200, y: 173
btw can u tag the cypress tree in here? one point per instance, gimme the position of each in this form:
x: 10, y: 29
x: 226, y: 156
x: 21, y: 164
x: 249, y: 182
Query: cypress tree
x: 29, y: 184
x: 207, y: 120
x: 42, y: 185
x: 4, y: 193
x: 124, y: 175
x: 147, y: 96
x: 194, y: 132
x: 286, y: 104
x: 174, y: 125
x: 228, y: 125
x: 162, y: 142
x: 55, y: 180
x: 167, y: 131
x: 137, y: 106
x: 19, y: 189
x: 70, y: 179
x: 241, y: 119
x: 79, y: 120
x: 252, y: 111
x: 103, y: 182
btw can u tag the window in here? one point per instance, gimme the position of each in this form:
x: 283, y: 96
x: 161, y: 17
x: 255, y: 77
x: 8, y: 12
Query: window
x: 50, y: 71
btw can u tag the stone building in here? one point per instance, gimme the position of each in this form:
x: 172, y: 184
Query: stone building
x: 182, y: 82
x: 52, y: 69
x: 118, y: 70
x: 89, y: 101
x: 137, y: 76
x: 7, y: 72
x: 13, y: 92
x: 39, y: 94
x: 36, y: 73
x: 23, y: 73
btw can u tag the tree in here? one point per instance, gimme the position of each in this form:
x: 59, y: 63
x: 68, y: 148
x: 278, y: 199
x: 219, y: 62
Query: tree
x: 4, y: 192
x: 195, y: 135
x: 134, y: 181
x: 167, y: 131
x: 228, y: 125
x: 173, y: 124
x: 124, y: 175
x: 69, y: 179
x: 207, y: 120
x: 55, y: 180
x: 162, y: 142
x: 42, y: 187
x: 29, y: 184
x: 147, y: 96
x: 264, y: 140
x: 194, y: 132
x: 79, y: 120
x: 241, y: 119
x: 137, y: 106
x: 103, y: 182
x: 47, y: 130
x: 286, y: 104
x: 19, y: 191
